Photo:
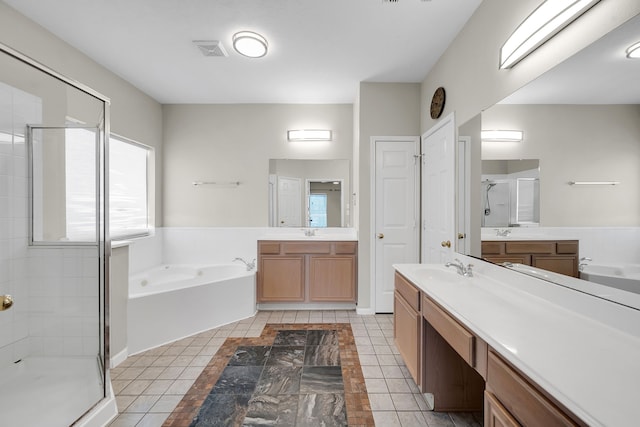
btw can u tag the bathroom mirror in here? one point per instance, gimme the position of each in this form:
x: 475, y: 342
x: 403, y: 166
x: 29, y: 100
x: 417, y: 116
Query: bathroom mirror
x: 510, y: 193
x: 581, y: 120
x: 309, y: 193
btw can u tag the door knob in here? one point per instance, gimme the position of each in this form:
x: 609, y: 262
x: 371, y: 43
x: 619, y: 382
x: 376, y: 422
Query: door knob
x: 7, y: 302
x: 380, y: 236
x: 445, y: 244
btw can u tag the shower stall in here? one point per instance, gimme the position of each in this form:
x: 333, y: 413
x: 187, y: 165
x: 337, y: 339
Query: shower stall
x: 53, y: 245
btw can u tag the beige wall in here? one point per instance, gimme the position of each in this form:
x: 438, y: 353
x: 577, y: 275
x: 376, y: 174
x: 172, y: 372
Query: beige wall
x: 234, y: 142
x: 576, y: 143
x: 385, y: 109
x: 133, y: 114
x: 468, y: 69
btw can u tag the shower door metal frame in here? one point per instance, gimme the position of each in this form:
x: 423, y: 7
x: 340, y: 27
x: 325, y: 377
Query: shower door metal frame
x: 102, y: 224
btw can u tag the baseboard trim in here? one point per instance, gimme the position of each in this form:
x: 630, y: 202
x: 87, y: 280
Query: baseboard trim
x: 365, y: 311
x: 119, y: 358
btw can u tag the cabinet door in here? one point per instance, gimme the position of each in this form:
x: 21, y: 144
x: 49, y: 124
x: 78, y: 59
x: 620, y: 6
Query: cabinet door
x: 495, y: 415
x: 406, y: 331
x: 281, y: 278
x: 332, y: 278
x: 563, y: 264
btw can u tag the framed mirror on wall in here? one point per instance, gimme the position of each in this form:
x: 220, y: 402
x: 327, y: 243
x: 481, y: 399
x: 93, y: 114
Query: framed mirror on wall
x: 581, y: 127
x: 309, y: 193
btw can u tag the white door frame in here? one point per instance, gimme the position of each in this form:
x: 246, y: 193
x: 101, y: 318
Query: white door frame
x: 463, y: 199
x: 372, y: 208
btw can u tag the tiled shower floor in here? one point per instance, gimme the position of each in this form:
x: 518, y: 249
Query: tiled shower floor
x: 168, y: 385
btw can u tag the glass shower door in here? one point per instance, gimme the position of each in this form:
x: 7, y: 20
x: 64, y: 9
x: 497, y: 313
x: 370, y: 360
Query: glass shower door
x: 52, y: 246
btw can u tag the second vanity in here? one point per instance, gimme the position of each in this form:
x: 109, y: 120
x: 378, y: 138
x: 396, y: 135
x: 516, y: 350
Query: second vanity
x: 319, y: 269
x: 528, y: 351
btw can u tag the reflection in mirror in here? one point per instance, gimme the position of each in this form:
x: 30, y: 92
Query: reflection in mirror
x: 510, y: 193
x: 583, y: 124
x: 309, y: 193
x: 324, y: 201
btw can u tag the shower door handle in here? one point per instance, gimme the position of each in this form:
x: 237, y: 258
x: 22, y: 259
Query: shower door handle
x: 7, y: 302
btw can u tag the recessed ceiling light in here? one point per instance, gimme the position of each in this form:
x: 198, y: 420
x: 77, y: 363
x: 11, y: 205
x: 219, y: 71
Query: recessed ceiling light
x: 633, y: 51
x: 250, y: 44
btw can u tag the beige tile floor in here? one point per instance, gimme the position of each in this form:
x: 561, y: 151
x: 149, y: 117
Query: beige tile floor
x: 149, y: 385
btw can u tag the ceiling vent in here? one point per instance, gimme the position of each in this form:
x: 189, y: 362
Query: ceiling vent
x: 211, y: 47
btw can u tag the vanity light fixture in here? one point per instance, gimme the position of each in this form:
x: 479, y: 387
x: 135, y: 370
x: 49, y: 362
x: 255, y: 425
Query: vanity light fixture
x: 309, y: 135
x: 543, y: 23
x: 250, y: 44
x: 633, y: 51
x: 502, y: 135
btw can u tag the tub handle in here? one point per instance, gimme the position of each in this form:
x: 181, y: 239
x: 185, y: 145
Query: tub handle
x: 7, y: 302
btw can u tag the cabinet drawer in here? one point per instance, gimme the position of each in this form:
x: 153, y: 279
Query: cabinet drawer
x: 531, y: 247
x: 409, y: 292
x: 307, y: 248
x: 461, y: 340
x: 345, y: 248
x: 524, y: 402
x: 492, y: 248
x: 567, y: 247
x: 269, y: 248
x: 514, y: 259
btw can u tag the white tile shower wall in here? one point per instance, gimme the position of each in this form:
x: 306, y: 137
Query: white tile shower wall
x: 146, y: 252
x: 64, y: 301
x: 17, y: 108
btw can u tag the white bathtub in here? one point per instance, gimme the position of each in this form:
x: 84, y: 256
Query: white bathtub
x: 170, y: 302
x: 624, y: 277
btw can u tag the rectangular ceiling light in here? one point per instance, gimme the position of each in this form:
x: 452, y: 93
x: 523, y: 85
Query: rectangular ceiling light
x: 502, y: 135
x: 543, y: 23
x: 309, y: 135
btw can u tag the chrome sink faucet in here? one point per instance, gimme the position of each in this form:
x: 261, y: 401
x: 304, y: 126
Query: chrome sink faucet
x: 460, y: 267
x: 503, y: 233
x: 309, y: 232
x: 250, y: 265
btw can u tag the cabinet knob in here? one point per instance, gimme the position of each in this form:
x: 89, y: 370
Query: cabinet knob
x: 445, y: 243
x: 380, y: 236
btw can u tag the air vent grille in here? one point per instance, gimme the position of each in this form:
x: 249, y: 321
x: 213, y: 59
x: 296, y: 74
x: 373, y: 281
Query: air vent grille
x: 211, y: 47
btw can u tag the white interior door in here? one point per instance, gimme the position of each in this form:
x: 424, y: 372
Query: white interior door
x: 289, y: 202
x: 438, y: 198
x: 395, y: 209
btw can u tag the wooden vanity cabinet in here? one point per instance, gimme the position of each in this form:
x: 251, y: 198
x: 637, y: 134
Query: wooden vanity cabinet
x: 512, y: 398
x: 407, y: 322
x: 306, y: 271
x: 559, y: 256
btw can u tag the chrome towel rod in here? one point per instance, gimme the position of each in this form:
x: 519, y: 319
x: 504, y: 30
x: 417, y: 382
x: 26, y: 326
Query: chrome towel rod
x: 223, y: 183
x: 594, y: 182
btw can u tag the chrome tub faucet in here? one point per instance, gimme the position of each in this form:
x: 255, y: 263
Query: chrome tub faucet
x: 250, y: 265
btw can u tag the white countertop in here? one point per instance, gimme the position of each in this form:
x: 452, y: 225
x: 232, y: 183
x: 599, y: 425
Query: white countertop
x: 321, y: 234
x: 560, y: 340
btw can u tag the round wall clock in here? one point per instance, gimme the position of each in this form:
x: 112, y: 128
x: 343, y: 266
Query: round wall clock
x: 437, y: 103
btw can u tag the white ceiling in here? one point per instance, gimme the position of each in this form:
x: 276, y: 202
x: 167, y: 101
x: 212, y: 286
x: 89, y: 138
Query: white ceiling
x: 599, y: 74
x: 319, y: 50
